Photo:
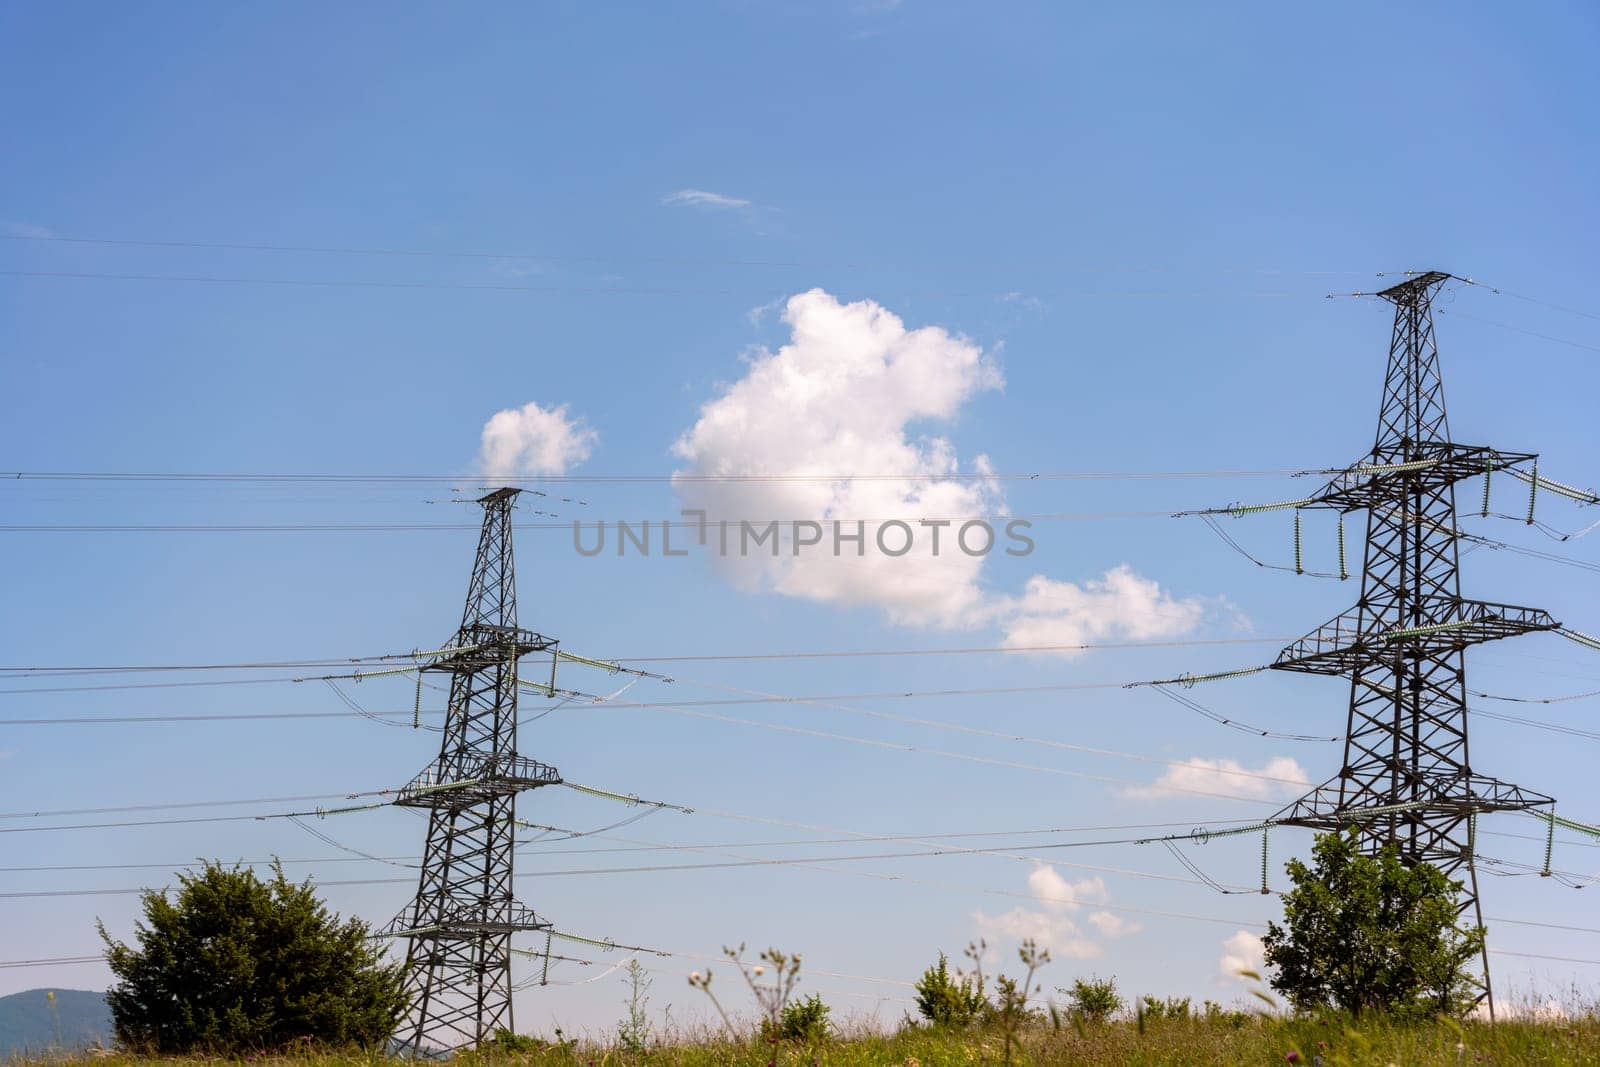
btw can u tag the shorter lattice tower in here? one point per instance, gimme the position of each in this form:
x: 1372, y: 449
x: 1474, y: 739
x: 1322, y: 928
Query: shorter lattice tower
x: 460, y: 923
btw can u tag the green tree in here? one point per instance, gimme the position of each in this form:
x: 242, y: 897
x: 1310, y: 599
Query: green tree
x: 235, y: 963
x: 1367, y: 932
x: 947, y: 999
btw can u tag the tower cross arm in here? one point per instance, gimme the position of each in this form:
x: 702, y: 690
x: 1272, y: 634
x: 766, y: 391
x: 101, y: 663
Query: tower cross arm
x: 1348, y: 641
x: 1386, y: 475
x: 1426, y: 466
x: 464, y: 923
x: 1330, y: 806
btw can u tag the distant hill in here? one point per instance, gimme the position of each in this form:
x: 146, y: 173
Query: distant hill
x: 27, y: 1023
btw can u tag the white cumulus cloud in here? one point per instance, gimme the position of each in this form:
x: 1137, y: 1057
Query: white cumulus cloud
x: 1120, y: 604
x: 533, y: 440
x: 1280, y: 778
x: 1051, y: 924
x: 1112, y: 925
x: 840, y: 398
x: 1048, y: 930
x: 1060, y: 894
x: 1242, y: 952
x: 856, y: 392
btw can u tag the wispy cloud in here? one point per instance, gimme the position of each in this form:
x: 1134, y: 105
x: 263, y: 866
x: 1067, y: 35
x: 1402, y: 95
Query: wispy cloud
x: 24, y: 229
x: 756, y: 315
x: 1280, y: 778
x: 704, y: 199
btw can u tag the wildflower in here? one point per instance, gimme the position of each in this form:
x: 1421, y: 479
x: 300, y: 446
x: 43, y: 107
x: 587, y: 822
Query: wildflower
x: 1292, y: 1057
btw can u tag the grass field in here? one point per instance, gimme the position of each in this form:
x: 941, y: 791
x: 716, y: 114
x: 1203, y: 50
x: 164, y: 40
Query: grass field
x: 1258, y: 1040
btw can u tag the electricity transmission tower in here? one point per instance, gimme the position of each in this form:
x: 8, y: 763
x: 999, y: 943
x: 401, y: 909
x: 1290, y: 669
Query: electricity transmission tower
x: 1406, y: 779
x: 460, y: 923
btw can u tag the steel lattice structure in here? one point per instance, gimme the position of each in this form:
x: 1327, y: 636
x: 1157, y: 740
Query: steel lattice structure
x: 460, y: 923
x: 1407, y: 778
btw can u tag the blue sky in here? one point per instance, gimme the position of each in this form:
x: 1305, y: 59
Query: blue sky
x: 1126, y: 222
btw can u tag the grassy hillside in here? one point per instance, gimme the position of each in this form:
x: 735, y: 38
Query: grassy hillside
x: 27, y: 1022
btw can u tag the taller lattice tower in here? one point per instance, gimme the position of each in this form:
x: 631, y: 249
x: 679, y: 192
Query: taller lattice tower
x: 1407, y: 778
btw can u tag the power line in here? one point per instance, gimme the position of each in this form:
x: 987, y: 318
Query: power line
x: 854, y: 837
x: 831, y: 705
x: 317, y: 813
x: 1539, y: 700
x: 548, y: 257
x: 1519, y: 329
x: 57, y: 961
x: 245, y: 716
x: 1538, y: 956
x: 674, y: 478
x: 301, y: 798
x: 688, y: 526
x: 992, y: 649
x: 443, y: 527
x: 1496, y: 290
x: 680, y: 709
x: 602, y: 290
x: 72, y: 960
x: 405, y: 718
x: 821, y: 863
x: 684, y: 708
x: 657, y: 868
x: 48, y: 670
x: 1538, y: 724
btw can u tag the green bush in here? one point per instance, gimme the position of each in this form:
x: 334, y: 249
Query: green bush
x: 946, y: 999
x: 1094, y: 999
x: 804, y: 1020
x: 236, y: 964
x: 508, y: 1041
x: 1217, y: 1015
x: 1154, y: 1009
